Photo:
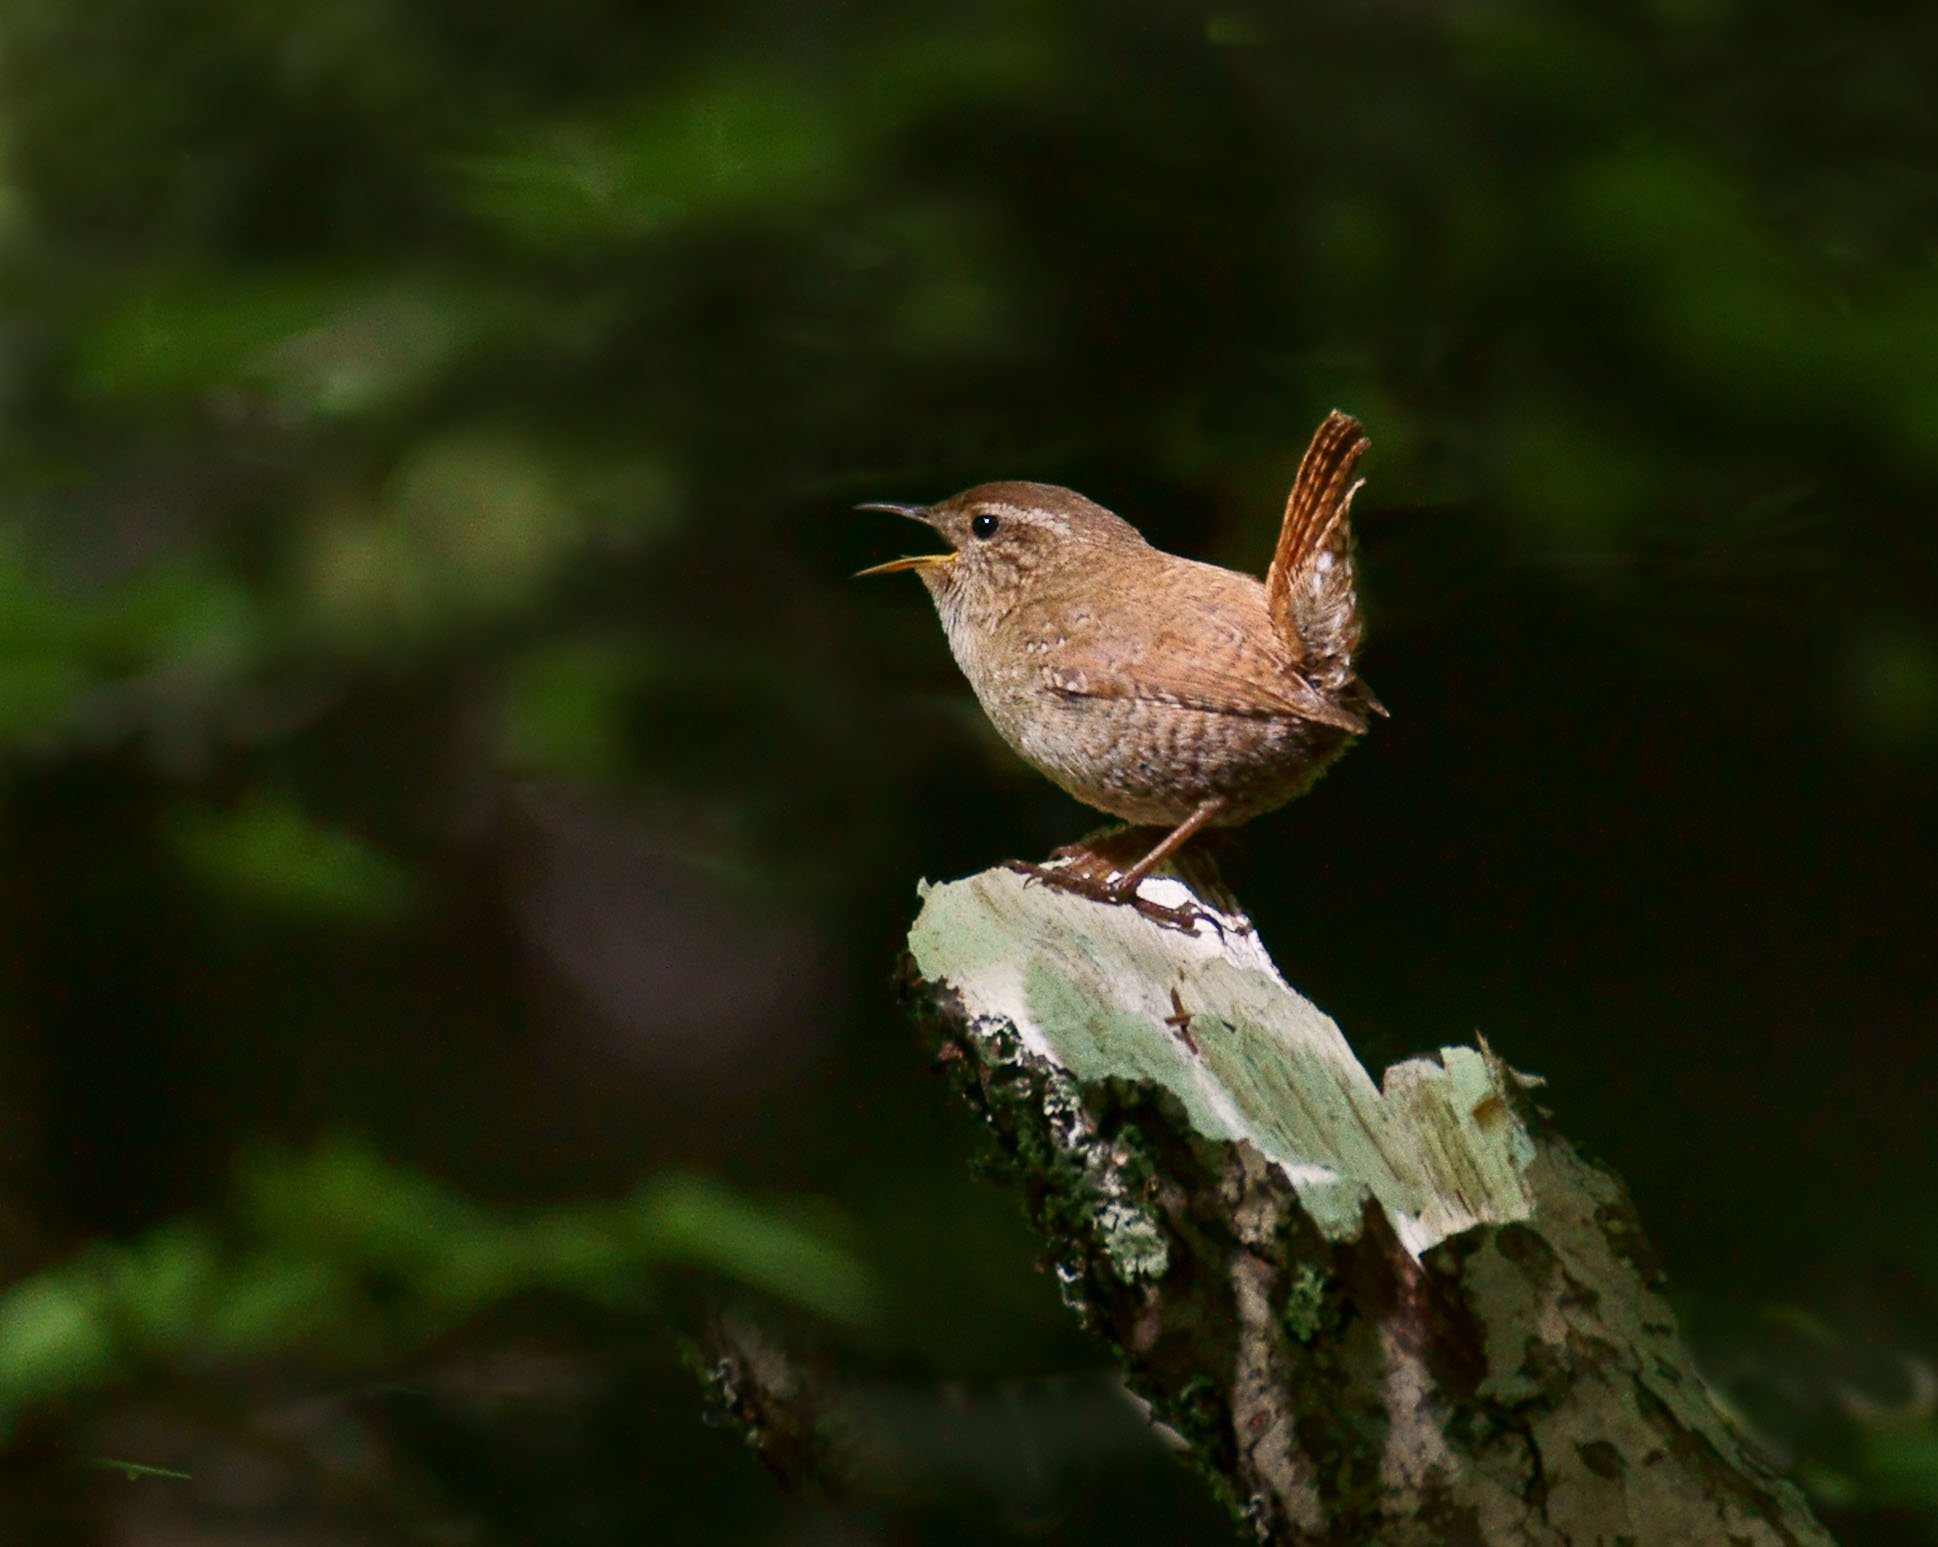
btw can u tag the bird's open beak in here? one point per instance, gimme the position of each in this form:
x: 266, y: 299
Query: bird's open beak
x: 915, y: 561
x: 920, y: 560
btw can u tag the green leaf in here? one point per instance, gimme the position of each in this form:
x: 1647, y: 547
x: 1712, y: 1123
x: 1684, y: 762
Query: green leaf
x: 269, y: 851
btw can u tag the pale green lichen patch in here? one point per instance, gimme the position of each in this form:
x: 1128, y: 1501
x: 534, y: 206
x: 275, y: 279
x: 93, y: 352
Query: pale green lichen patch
x: 1103, y: 993
x: 1093, y: 1195
x: 1305, y: 1303
x: 1086, y: 1185
x: 1133, y: 1241
x: 1229, y: 1202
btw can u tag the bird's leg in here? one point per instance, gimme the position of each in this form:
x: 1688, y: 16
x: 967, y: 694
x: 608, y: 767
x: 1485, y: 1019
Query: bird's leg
x: 1085, y: 882
x: 1177, y: 838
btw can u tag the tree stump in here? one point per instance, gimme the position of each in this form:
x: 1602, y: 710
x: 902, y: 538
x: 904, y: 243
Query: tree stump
x: 1398, y: 1313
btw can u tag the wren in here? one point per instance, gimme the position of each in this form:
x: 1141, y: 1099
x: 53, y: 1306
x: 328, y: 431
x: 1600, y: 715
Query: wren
x: 1161, y: 690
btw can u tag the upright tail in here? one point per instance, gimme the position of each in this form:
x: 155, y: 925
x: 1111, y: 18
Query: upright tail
x: 1309, y: 588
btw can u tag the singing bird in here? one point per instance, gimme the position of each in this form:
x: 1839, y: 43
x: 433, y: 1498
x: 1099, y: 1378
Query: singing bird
x: 1165, y: 691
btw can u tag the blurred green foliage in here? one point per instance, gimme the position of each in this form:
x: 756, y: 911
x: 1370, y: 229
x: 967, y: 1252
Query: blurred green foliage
x: 267, y: 853
x: 433, y: 707
x: 338, y: 1250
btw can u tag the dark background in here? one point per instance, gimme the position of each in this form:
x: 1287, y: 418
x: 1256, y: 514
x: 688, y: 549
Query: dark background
x: 459, y: 815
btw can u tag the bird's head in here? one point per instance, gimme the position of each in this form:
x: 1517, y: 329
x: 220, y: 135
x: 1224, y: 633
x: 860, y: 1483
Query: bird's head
x: 1007, y: 542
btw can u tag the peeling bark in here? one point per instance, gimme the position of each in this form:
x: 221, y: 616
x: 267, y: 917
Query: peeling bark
x: 1407, y: 1313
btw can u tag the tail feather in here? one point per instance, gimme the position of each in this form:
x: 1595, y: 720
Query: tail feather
x: 1309, y: 588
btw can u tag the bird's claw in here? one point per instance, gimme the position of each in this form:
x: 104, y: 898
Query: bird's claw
x: 1097, y: 890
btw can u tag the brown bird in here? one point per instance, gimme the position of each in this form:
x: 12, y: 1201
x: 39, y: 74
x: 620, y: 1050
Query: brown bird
x: 1164, y: 691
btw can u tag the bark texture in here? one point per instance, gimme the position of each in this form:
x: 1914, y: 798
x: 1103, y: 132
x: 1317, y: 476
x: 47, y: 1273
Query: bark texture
x: 1398, y: 1313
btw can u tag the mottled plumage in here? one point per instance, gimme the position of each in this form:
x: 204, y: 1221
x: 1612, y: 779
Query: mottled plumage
x: 1156, y: 688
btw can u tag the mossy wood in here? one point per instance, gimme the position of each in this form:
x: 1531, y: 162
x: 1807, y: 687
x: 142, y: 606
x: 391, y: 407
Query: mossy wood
x: 1398, y: 1313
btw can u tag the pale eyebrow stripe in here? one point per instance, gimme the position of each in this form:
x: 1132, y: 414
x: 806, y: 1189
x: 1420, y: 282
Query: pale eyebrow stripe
x: 1031, y: 513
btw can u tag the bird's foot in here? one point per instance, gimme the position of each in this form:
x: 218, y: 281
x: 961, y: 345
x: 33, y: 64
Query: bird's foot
x: 1089, y: 875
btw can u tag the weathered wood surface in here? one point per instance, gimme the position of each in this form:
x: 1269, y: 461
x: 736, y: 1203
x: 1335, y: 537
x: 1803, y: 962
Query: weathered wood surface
x: 1398, y: 1313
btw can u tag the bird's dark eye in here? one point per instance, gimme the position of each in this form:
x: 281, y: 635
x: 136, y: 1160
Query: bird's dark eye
x: 984, y: 525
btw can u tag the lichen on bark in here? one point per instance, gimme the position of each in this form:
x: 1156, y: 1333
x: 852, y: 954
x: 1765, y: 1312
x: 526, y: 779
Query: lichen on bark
x: 1400, y: 1313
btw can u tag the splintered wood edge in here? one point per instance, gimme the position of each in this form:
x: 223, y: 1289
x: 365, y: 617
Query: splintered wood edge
x: 1532, y: 1383
x: 1105, y: 993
